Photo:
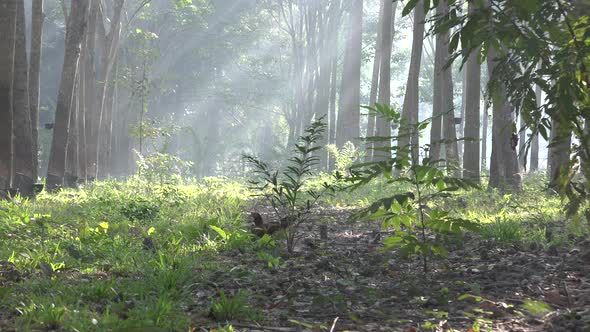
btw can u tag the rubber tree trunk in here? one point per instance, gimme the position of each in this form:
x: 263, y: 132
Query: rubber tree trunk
x: 409, y: 136
x: 472, y: 139
x: 522, y: 162
x: 484, y: 135
x: 72, y: 167
x: 8, y: 10
x: 559, y: 150
x: 350, y: 95
x: 535, y: 140
x: 23, y: 137
x: 35, y: 76
x: 74, y: 35
x: 371, y: 122
x: 91, y: 115
x: 109, y: 55
x: 449, y: 133
x: 504, y: 168
x: 437, y: 93
x: 382, y: 150
x: 323, y: 83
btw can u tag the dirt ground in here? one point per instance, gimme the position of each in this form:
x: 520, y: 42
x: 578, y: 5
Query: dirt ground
x: 346, y: 283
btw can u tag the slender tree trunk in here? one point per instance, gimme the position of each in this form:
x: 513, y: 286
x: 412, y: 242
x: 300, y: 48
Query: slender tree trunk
x: 375, y: 82
x: 484, y: 135
x: 333, y: 101
x: 336, y: 15
x: 323, y: 97
x: 472, y: 86
x: 81, y: 112
x: 449, y: 133
x: 23, y: 137
x: 35, y: 77
x: 382, y: 150
x: 349, y: 114
x: 535, y: 140
x: 521, y: 144
x: 8, y: 11
x: 437, y: 95
x: 504, y: 169
x: 74, y: 36
x: 559, y: 150
x: 408, y: 132
x: 109, y: 55
x: 91, y: 113
x: 72, y: 166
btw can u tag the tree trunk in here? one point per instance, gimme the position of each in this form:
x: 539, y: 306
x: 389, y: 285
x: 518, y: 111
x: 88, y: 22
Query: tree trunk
x: 333, y: 101
x: 323, y: 93
x: 91, y: 116
x: 409, y: 136
x: 559, y: 150
x: 72, y: 166
x: 437, y: 95
x: 350, y: 99
x: 504, y: 169
x: 484, y: 135
x: 449, y: 133
x: 74, y: 34
x: 471, y: 153
x: 375, y: 82
x: 23, y: 137
x: 35, y: 77
x: 382, y: 150
x: 521, y: 144
x: 535, y: 140
x: 8, y: 10
x: 109, y: 54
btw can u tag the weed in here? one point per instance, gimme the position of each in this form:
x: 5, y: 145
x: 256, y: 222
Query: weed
x: 229, y: 308
x: 284, y: 190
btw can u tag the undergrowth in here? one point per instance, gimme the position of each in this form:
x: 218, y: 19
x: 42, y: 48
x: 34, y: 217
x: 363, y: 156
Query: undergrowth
x: 124, y: 255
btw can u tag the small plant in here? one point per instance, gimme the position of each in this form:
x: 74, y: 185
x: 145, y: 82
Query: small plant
x: 272, y: 262
x: 412, y: 213
x: 140, y: 210
x: 230, y: 308
x: 284, y: 190
x: 344, y: 158
x: 162, y: 168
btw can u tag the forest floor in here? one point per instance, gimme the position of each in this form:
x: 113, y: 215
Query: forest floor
x: 347, y: 283
x: 132, y: 256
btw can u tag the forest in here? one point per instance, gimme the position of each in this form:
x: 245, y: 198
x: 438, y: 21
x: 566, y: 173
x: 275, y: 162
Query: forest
x: 295, y: 165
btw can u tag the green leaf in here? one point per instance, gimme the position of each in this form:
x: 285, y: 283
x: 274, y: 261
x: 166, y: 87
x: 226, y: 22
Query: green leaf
x: 219, y: 231
x: 409, y: 7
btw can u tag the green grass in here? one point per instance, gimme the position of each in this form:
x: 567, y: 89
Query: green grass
x: 99, y: 275
x: 93, y: 240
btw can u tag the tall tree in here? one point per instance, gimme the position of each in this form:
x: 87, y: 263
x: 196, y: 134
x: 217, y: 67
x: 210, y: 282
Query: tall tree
x: 110, y: 47
x: 471, y: 154
x: 375, y: 81
x: 449, y: 130
x: 559, y: 149
x: 535, y: 139
x: 383, y: 127
x: 8, y: 10
x: 23, y: 151
x: 437, y: 94
x: 35, y: 75
x: 522, y: 151
x: 348, y: 128
x: 504, y: 169
x: 409, y: 136
x: 75, y: 30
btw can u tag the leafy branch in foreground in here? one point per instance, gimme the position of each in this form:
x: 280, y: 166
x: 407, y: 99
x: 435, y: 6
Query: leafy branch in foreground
x: 284, y: 189
x: 412, y: 214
